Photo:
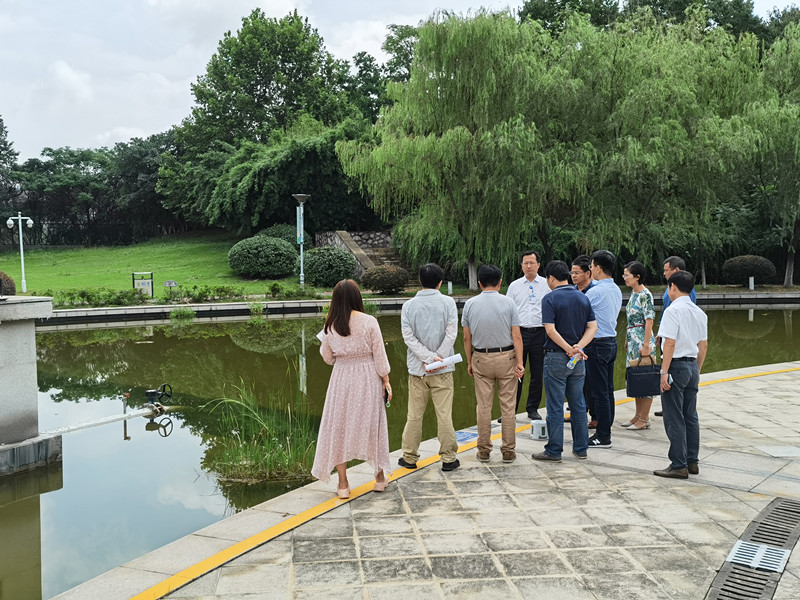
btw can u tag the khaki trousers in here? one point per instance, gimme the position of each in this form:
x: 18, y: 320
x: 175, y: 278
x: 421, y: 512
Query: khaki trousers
x: 488, y: 369
x: 440, y: 389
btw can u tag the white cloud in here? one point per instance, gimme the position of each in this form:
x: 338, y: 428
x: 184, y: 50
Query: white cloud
x: 67, y: 84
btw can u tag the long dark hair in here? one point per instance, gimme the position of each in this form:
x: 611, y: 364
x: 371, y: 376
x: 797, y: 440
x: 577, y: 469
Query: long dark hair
x: 346, y: 298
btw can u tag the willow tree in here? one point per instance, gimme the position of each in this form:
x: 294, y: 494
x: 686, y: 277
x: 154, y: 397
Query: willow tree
x: 460, y: 150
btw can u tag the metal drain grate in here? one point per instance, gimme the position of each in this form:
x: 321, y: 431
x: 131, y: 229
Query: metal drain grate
x: 735, y: 582
x: 777, y: 525
x: 759, y: 556
x: 754, y: 567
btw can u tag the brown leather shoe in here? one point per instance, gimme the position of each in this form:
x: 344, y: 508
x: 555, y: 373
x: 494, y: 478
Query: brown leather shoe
x: 694, y: 469
x: 592, y: 424
x: 483, y: 456
x: 509, y: 456
x: 673, y: 473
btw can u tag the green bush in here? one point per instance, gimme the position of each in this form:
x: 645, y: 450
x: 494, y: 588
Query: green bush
x: 385, y: 279
x: 204, y: 293
x: 458, y: 272
x: 739, y: 269
x: 262, y: 257
x: 9, y: 288
x: 98, y: 297
x: 286, y: 232
x: 281, y: 291
x: 326, y: 266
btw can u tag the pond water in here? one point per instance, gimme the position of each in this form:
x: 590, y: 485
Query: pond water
x: 125, y: 489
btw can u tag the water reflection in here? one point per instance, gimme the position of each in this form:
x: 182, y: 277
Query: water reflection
x: 121, y: 500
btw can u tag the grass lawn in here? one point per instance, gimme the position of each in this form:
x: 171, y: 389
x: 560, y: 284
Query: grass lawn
x: 198, y: 258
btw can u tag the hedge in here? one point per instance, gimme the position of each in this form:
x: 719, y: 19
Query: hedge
x: 739, y: 269
x: 385, y: 279
x: 326, y: 266
x: 262, y: 257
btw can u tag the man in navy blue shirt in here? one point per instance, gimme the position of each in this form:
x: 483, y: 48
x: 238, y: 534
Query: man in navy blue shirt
x: 570, y: 325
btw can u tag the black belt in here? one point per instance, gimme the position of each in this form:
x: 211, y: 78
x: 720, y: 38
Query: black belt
x: 490, y: 350
x: 686, y: 358
x: 531, y: 328
x: 554, y: 350
x: 605, y: 339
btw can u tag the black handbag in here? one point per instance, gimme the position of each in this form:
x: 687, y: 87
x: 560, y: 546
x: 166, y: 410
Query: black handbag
x: 642, y: 380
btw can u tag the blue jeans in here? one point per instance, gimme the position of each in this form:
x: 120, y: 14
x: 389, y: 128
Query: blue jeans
x: 680, y: 414
x: 561, y: 382
x: 600, y: 375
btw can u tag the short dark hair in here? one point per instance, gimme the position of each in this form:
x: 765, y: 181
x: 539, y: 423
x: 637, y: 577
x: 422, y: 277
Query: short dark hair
x: 605, y: 260
x: 675, y: 262
x: 431, y: 275
x: 637, y: 269
x: 528, y: 253
x: 557, y: 269
x: 683, y: 280
x: 489, y: 275
x: 583, y: 261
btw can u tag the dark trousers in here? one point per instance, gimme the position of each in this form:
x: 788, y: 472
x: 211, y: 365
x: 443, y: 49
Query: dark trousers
x: 533, y: 339
x: 680, y: 413
x: 601, y: 355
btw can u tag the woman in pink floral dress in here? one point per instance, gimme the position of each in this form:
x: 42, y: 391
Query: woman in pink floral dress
x: 354, y: 417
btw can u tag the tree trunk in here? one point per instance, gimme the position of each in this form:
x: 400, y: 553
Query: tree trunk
x: 547, y: 250
x: 788, y: 279
x: 472, y: 270
x: 702, y: 263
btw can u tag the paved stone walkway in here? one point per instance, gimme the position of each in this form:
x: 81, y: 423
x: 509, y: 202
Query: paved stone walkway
x: 602, y: 528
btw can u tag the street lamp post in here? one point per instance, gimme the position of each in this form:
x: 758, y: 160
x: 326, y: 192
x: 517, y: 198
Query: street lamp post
x: 29, y: 223
x: 301, y: 198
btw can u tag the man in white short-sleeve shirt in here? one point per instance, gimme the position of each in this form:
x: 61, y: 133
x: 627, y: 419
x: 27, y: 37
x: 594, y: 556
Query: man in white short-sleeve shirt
x: 684, y: 334
x: 527, y: 293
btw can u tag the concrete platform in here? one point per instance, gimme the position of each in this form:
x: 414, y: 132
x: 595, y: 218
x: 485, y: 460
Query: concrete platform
x: 601, y: 528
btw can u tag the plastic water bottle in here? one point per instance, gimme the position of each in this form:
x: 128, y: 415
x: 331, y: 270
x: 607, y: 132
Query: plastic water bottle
x: 574, y: 360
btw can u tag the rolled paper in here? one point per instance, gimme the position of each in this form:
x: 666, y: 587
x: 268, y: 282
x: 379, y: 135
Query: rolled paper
x: 450, y: 360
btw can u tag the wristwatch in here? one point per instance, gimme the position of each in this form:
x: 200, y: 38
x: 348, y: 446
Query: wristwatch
x: 662, y: 372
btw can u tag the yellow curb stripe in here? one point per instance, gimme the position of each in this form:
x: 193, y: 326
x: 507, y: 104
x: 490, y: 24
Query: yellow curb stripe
x: 199, y: 569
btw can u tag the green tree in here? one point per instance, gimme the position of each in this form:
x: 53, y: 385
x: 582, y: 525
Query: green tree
x: 399, y: 45
x: 458, y: 149
x: 367, y: 90
x: 779, y: 19
x: 262, y: 77
x: 8, y: 160
x: 735, y: 16
x: 550, y: 12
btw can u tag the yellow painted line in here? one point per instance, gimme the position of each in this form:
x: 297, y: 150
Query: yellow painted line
x: 199, y: 569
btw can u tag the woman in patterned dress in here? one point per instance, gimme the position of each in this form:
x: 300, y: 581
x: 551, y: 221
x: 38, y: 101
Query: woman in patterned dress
x: 354, y: 417
x: 639, y: 341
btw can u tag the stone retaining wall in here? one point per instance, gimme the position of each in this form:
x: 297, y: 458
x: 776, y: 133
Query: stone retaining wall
x: 365, y: 239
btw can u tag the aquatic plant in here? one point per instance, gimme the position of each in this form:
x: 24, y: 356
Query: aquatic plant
x: 263, y: 439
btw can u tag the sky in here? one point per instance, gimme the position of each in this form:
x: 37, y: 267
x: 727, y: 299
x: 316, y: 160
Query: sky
x: 90, y: 73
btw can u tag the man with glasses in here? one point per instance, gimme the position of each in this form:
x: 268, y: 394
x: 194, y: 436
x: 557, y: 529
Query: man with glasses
x: 581, y: 274
x: 527, y: 293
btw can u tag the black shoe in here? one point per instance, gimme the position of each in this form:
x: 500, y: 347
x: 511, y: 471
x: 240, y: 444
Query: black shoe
x: 673, y: 473
x: 693, y: 468
x: 535, y: 416
x: 451, y: 466
x: 659, y: 413
x: 596, y: 442
x: 581, y: 456
x: 545, y: 456
x: 404, y: 463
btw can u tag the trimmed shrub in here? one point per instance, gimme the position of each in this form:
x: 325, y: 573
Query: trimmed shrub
x: 385, y: 279
x: 286, y: 232
x: 9, y: 288
x: 262, y: 257
x: 739, y: 269
x: 326, y: 266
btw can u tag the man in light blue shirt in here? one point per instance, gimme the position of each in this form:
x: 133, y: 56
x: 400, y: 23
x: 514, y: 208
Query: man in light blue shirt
x: 606, y: 300
x: 429, y: 322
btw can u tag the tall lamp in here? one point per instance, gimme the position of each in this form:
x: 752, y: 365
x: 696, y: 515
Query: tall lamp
x: 29, y: 223
x: 301, y: 198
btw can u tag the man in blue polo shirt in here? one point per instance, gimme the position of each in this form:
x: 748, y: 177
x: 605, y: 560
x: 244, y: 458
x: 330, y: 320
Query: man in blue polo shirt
x: 570, y: 325
x: 606, y: 299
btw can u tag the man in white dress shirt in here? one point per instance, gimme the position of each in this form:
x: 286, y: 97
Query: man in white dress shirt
x: 527, y: 293
x: 684, y: 334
